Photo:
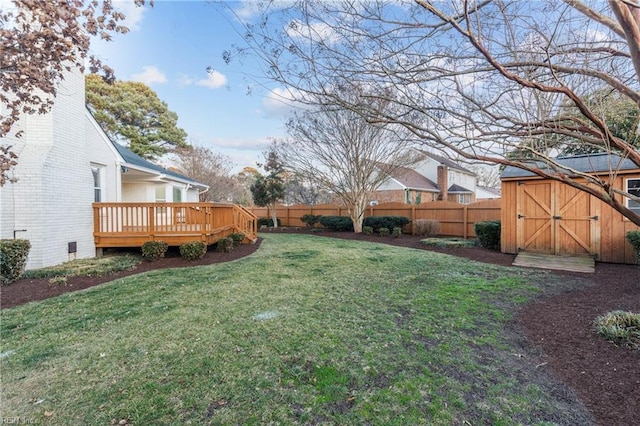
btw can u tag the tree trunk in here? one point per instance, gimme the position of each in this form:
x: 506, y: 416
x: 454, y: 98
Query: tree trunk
x: 357, y: 216
x: 274, y: 216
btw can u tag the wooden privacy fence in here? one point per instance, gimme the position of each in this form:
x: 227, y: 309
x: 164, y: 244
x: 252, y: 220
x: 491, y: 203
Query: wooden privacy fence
x: 456, y: 220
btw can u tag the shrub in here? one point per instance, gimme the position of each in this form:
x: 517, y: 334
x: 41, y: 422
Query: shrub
x: 397, y: 231
x: 488, y: 234
x: 154, y: 250
x: 13, y: 259
x: 60, y: 280
x: 310, y: 219
x: 620, y: 327
x: 237, y: 237
x: 367, y: 230
x: 337, y: 223
x: 193, y: 250
x: 426, y: 227
x: 268, y: 222
x: 225, y: 245
x: 389, y: 222
x: 634, y: 239
x: 383, y: 232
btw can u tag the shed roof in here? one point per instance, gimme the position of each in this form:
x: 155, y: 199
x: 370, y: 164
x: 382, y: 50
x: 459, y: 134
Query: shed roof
x: 588, y: 163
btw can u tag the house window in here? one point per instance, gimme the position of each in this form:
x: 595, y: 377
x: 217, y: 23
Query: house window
x: 97, y: 183
x: 464, y: 198
x: 161, y: 194
x: 177, y: 195
x: 633, y: 188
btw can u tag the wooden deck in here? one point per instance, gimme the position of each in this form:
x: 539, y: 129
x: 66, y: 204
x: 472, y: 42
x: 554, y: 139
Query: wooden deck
x: 133, y: 224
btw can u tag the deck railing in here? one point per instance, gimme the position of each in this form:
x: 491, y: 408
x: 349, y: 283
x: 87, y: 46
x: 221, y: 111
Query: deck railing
x: 133, y: 224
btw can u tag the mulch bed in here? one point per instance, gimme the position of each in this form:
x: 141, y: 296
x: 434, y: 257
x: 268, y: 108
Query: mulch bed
x: 605, y: 377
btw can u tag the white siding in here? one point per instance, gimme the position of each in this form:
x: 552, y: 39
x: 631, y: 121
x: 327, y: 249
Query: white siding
x: 52, y: 198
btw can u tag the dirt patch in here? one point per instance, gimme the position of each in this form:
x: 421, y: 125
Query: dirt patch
x: 558, y: 327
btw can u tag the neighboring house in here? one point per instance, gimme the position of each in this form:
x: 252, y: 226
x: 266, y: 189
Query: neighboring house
x: 487, y: 193
x: 432, y: 178
x: 545, y: 216
x: 66, y: 162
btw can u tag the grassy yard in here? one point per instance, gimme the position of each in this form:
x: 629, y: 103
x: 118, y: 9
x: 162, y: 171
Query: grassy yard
x: 307, y: 330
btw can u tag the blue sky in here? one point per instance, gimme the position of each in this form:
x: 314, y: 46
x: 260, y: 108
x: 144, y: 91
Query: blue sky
x: 170, y: 47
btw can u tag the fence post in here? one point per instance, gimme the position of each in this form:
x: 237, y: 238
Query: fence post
x: 465, y: 214
x: 413, y: 220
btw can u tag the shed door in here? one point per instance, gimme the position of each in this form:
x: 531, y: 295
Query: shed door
x: 555, y: 218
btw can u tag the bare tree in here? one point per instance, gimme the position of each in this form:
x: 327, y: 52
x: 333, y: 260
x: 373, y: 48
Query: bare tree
x: 300, y: 190
x: 496, y: 81
x: 41, y: 40
x: 345, y: 155
x: 213, y: 169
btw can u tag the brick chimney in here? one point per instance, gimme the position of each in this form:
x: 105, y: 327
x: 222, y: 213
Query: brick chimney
x: 443, y: 182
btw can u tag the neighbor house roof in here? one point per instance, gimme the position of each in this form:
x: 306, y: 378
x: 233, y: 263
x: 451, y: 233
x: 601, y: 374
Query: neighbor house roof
x: 588, y: 163
x: 410, y: 179
x: 490, y: 190
x: 457, y: 189
x: 414, y: 180
x: 451, y: 164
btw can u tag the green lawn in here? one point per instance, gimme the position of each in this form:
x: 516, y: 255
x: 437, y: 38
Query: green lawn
x: 307, y: 330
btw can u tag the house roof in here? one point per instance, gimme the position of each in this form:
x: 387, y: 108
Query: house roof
x: 457, y: 189
x: 134, y: 160
x: 490, y: 190
x: 409, y: 178
x: 451, y: 164
x: 588, y: 163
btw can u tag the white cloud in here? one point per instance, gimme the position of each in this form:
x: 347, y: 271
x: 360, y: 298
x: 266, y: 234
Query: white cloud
x: 317, y: 32
x: 247, y: 10
x: 185, y: 80
x: 281, y: 102
x: 150, y: 75
x: 214, y: 80
x: 134, y: 14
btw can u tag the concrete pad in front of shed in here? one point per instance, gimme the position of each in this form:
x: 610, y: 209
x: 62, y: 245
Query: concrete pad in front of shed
x: 561, y: 263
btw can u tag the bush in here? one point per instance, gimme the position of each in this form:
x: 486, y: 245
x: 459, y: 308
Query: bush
x: 310, y: 219
x: 397, y: 231
x: 367, y: 230
x: 268, y: 222
x: 225, y: 245
x: 13, y: 259
x: 237, y: 237
x: 488, y: 234
x: 384, y: 232
x: 154, y: 250
x: 389, y: 222
x: 426, y: 227
x: 634, y: 239
x: 337, y: 223
x: 620, y: 327
x: 193, y: 250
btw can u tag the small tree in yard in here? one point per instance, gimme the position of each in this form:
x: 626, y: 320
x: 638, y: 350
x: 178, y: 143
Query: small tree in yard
x: 267, y: 190
x: 344, y: 154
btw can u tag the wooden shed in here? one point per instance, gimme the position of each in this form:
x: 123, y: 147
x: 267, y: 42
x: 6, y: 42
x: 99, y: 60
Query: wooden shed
x: 545, y: 216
